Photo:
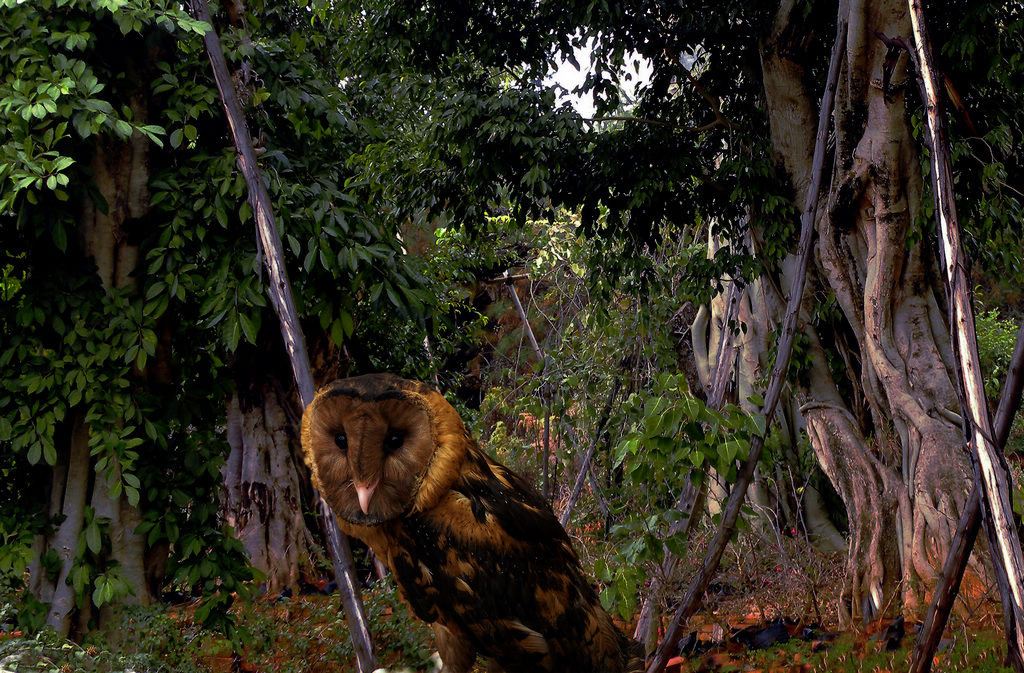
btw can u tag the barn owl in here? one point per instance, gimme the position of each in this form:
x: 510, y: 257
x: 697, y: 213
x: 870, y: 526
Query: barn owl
x: 477, y: 553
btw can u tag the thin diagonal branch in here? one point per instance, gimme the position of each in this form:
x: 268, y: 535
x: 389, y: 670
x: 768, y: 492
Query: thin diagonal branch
x: 284, y: 304
x: 688, y: 605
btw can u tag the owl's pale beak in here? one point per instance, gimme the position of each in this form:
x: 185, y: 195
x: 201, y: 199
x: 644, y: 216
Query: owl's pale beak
x: 364, y: 492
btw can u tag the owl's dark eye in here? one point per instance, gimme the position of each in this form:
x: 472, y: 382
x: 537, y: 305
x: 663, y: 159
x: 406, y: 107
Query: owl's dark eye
x: 341, y: 439
x: 393, y: 441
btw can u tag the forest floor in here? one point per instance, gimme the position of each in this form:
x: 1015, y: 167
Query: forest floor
x: 773, y: 607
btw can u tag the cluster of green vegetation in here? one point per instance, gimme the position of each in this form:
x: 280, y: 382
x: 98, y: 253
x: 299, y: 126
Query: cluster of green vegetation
x: 306, y: 634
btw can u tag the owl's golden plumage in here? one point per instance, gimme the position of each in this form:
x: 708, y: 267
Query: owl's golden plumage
x: 476, y: 552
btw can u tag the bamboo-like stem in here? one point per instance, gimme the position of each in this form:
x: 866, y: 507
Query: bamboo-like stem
x: 990, y: 468
x: 284, y: 304
x: 970, y: 522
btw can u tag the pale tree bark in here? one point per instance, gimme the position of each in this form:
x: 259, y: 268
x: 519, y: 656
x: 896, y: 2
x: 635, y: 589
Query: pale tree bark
x: 691, y: 599
x: 968, y: 526
x: 760, y: 307
x: 990, y: 468
x: 73, y: 488
x: 890, y: 450
x: 262, y: 494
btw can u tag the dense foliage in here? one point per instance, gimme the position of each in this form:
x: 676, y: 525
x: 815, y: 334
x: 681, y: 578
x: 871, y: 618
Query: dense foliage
x: 147, y: 365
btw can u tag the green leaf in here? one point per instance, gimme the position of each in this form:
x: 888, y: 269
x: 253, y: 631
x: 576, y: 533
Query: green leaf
x: 347, y: 323
x: 691, y: 407
x: 234, y: 335
x: 92, y: 538
x: 99, y: 592
x: 337, y: 332
x: 677, y: 544
x: 248, y: 327
x: 759, y: 424
x: 172, y: 531
x: 50, y: 453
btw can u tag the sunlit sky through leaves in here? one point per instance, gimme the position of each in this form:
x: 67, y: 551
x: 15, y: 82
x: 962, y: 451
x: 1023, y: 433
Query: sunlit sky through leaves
x: 569, y: 77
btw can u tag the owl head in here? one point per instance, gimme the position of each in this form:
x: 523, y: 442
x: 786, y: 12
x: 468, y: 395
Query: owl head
x: 380, y: 446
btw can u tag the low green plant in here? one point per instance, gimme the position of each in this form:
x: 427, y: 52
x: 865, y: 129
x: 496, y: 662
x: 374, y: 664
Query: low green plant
x: 168, y: 637
x: 974, y: 651
x: 673, y: 436
x: 997, y: 336
x: 308, y: 634
x: 45, y: 652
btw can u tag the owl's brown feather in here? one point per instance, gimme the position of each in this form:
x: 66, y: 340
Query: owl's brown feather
x: 476, y: 552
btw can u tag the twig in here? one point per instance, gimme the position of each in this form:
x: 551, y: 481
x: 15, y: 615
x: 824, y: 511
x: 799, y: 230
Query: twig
x: 543, y: 360
x: 720, y: 119
x: 715, y: 103
x: 577, y: 486
x: 658, y: 122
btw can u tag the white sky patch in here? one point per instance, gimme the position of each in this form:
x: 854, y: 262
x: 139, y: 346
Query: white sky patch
x: 639, y: 70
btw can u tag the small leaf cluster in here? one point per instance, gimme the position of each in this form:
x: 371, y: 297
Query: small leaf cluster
x: 981, y: 60
x: 675, y: 431
x: 52, y: 97
x: 45, y: 653
x: 673, y: 440
x: 76, y: 348
x: 997, y: 338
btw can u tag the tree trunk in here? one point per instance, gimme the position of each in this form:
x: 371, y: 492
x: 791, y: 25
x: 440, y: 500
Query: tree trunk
x: 262, y: 488
x: 291, y: 332
x: 990, y: 467
x: 760, y: 307
x: 891, y: 448
x: 121, y: 174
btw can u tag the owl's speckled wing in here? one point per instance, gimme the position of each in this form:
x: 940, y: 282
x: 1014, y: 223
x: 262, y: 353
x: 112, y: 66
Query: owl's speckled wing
x: 492, y: 564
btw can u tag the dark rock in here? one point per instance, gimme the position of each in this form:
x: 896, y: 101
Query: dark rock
x: 893, y: 634
x: 760, y: 638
